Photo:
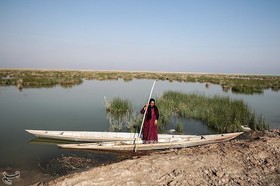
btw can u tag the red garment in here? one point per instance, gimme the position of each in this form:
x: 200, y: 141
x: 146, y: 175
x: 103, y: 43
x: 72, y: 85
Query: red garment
x: 150, y: 130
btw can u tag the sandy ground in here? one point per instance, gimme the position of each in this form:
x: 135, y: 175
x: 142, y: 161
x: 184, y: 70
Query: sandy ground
x: 252, y: 160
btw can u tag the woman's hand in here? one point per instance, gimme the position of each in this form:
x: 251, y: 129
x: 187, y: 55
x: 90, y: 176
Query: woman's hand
x: 145, y: 106
x: 156, y: 122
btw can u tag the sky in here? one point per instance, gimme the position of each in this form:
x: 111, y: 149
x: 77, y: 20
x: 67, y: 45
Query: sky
x: 212, y: 36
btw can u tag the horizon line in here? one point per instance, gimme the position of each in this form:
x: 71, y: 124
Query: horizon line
x: 139, y: 71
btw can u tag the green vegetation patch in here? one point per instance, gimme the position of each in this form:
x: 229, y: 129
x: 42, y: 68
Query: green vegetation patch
x: 120, y: 115
x: 220, y: 113
x: 247, y: 84
x: 119, y: 106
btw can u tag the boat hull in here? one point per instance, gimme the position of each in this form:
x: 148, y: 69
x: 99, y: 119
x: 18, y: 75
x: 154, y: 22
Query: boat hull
x: 84, y: 136
x: 130, y: 146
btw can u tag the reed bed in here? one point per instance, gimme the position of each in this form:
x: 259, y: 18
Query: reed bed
x: 220, y: 113
x: 120, y: 115
x: 119, y: 106
x: 245, y: 84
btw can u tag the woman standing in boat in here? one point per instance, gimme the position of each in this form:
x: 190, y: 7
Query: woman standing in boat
x: 150, y: 128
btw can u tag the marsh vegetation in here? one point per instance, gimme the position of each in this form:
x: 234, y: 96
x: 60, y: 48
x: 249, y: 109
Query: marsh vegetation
x: 120, y: 114
x: 246, y: 84
x: 220, y: 113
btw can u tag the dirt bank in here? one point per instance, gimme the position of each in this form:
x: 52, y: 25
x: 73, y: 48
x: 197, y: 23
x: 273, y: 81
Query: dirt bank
x: 253, y: 159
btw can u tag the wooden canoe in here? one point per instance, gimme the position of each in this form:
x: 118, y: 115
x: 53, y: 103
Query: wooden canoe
x: 86, y: 136
x: 162, y: 144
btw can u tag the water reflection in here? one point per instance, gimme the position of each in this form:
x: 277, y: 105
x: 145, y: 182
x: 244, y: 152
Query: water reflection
x: 118, y: 122
x: 124, y: 122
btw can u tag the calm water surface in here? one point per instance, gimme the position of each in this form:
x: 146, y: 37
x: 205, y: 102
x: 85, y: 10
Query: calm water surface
x: 82, y: 108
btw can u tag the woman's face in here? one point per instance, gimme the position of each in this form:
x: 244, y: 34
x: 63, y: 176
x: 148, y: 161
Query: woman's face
x: 152, y: 103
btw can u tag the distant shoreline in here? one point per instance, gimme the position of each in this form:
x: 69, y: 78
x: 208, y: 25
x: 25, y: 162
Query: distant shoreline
x: 136, y: 71
x: 238, y: 83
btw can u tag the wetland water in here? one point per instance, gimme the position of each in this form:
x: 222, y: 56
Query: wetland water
x: 82, y: 108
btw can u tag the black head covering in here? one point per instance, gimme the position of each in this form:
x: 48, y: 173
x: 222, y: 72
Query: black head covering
x: 149, y: 112
x: 152, y: 99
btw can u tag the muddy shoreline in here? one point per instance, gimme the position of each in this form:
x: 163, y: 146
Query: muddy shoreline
x: 252, y: 159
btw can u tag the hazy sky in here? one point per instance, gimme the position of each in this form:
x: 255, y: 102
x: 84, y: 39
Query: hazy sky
x: 224, y: 36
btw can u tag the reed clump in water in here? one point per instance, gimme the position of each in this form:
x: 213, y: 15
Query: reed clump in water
x: 120, y: 114
x: 246, y: 89
x: 180, y: 127
x: 119, y: 106
x: 220, y: 113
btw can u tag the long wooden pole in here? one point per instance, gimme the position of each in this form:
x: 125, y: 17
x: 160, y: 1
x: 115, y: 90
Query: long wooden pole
x: 139, y: 135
